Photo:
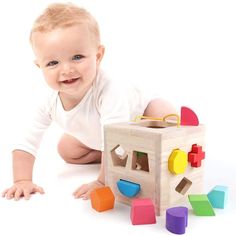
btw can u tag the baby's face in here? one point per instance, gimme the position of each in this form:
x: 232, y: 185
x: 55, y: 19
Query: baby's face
x: 68, y: 57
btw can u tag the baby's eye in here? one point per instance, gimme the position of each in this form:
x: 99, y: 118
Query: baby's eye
x: 77, y: 57
x: 52, y: 63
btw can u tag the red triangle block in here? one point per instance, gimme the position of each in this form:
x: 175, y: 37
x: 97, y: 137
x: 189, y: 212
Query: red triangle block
x: 188, y: 117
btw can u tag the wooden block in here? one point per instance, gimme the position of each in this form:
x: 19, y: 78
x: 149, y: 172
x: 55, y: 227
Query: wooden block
x: 102, y: 199
x: 177, y: 219
x: 196, y: 155
x: 127, y: 188
x: 201, y: 205
x: 177, y: 162
x: 218, y: 196
x: 188, y: 117
x: 142, y: 212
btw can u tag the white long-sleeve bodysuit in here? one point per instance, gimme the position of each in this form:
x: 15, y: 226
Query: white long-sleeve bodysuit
x: 105, y: 102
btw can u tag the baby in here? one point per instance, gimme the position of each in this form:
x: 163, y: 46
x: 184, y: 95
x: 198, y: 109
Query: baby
x: 66, y: 42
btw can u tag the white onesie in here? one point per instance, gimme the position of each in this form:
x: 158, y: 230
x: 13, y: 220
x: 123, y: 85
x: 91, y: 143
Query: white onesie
x: 106, y: 102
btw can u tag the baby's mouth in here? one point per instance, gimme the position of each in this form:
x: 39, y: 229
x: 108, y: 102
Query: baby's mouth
x: 70, y: 81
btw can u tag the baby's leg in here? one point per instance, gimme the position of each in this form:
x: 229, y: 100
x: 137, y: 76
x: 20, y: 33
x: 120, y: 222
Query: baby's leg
x: 159, y: 108
x: 75, y: 152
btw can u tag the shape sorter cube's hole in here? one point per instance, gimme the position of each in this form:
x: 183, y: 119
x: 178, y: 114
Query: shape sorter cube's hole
x: 140, y: 161
x: 183, y: 186
x: 119, y: 156
x: 154, y: 124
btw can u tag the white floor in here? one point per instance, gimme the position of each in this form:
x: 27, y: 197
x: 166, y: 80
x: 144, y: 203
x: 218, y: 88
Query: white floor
x: 58, y: 213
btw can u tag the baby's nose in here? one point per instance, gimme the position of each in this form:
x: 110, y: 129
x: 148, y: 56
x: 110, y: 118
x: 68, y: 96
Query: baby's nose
x: 67, y: 69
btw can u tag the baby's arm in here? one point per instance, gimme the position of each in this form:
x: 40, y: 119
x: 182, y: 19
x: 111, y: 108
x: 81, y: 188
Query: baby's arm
x: 23, y: 186
x: 23, y: 161
x: 85, y: 190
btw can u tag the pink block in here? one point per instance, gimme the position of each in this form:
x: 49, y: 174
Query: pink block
x: 188, y: 117
x: 142, y: 212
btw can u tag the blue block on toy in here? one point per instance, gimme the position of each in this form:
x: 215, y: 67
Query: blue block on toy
x: 127, y: 188
x: 218, y: 196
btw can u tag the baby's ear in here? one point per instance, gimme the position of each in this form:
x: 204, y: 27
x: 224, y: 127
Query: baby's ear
x: 100, y: 53
x: 36, y: 63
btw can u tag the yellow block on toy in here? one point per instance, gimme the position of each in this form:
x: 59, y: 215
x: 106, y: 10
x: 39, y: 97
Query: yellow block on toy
x: 178, y: 161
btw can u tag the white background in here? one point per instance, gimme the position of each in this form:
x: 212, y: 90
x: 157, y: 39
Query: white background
x: 183, y: 50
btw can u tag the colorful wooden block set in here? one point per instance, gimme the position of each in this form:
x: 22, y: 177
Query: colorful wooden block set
x: 155, y: 165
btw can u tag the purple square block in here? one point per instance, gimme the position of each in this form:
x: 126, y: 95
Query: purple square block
x: 177, y: 219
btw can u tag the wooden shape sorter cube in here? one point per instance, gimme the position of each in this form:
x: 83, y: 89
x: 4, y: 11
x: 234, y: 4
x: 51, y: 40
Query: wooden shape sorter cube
x: 146, y: 147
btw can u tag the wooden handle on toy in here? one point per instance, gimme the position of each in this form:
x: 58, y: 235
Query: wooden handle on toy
x: 137, y: 118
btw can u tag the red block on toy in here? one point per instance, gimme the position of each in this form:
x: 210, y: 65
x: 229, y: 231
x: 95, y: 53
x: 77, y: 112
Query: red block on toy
x: 196, y: 155
x: 188, y: 117
x: 142, y: 212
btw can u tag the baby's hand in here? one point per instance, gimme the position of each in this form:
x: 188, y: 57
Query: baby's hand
x: 85, y: 190
x: 23, y: 188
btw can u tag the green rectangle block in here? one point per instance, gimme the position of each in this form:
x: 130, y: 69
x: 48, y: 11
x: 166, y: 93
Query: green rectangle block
x: 201, y: 205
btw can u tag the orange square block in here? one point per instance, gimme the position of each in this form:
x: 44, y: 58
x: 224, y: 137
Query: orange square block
x: 102, y: 199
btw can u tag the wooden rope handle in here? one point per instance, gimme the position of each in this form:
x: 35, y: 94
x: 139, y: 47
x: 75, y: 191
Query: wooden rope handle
x: 164, y: 118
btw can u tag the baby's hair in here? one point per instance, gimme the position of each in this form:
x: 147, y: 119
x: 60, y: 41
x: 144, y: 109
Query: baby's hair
x: 59, y: 15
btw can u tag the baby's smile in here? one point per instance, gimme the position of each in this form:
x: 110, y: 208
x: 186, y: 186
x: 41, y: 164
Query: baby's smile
x: 70, y: 81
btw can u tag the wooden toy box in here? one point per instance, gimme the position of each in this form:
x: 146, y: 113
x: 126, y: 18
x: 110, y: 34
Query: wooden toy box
x: 139, y: 152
